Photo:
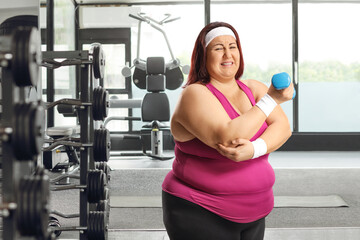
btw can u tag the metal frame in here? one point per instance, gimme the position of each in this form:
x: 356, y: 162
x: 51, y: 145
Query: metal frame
x: 86, y: 125
x: 300, y: 141
x: 111, y: 36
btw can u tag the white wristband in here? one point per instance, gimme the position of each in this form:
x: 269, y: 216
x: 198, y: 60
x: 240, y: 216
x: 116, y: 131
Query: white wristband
x: 266, y: 104
x: 260, y: 147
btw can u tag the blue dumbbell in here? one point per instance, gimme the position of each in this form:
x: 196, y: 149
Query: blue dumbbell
x: 281, y: 81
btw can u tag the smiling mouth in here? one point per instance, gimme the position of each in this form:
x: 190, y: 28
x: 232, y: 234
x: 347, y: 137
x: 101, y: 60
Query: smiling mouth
x: 226, y: 64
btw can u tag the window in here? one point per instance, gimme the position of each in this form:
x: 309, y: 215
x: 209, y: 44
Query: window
x: 329, y: 76
x: 265, y: 33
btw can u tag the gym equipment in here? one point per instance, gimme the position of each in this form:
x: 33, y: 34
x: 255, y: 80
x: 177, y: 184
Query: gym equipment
x: 97, y: 226
x: 173, y: 73
x: 97, y: 59
x: 101, y: 146
x: 104, y: 167
x: 96, y: 186
x: 28, y: 132
x: 281, y: 81
x: 25, y: 192
x: 33, y: 205
x: 21, y: 53
x: 155, y: 107
x: 99, y: 104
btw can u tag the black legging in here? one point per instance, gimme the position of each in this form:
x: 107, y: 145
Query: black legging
x: 185, y: 220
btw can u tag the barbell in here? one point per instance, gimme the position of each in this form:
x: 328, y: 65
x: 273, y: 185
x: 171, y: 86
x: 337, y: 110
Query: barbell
x: 95, y: 187
x: 100, y: 104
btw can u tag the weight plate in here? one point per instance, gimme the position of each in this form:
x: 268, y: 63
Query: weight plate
x: 42, y: 203
x: 98, y: 61
x: 37, y: 125
x: 28, y: 134
x: 20, y: 217
x: 105, y: 104
x: 27, y: 55
x: 20, y: 140
x: 97, y: 226
x: 107, y: 145
x: 96, y: 145
x: 100, y: 104
x: 92, y: 188
x: 102, y: 145
x: 95, y: 107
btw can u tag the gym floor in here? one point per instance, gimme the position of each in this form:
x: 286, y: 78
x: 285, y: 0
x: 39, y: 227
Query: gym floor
x: 297, y: 174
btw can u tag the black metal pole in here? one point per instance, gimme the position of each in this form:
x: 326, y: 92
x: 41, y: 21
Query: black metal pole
x: 84, y: 119
x: 50, y: 89
x: 295, y: 64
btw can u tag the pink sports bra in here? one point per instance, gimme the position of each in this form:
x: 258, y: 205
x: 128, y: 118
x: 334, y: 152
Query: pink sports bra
x: 240, y: 192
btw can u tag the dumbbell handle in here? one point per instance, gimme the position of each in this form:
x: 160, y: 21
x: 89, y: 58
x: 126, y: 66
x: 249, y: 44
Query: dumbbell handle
x: 282, y: 81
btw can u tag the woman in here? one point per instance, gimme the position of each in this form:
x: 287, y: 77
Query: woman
x: 221, y: 184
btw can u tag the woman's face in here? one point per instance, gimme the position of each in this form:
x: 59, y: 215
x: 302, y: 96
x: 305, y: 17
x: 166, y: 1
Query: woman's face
x: 222, y: 58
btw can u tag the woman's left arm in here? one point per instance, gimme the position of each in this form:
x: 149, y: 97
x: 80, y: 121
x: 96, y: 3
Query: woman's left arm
x: 277, y: 133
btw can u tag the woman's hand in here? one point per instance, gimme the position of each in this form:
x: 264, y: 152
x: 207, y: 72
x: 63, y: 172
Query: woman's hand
x: 283, y: 95
x: 240, y: 150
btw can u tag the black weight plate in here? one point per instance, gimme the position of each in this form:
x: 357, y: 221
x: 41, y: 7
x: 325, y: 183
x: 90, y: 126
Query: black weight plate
x: 103, y: 145
x: 103, y: 166
x: 105, y: 104
x: 17, y: 67
x: 97, y: 226
x: 21, y: 137
x: 16, y: 137
x: 42, y: 205
x: 102, y: 184
x: 30, y: 211
x: 37, y: 125
x: 91, y: 231
x: 108, y: 145
x: 96, y: 145
x: 26, y: 130
x: 21, y: 216
x: 35, y: 56
x: 101, y: 206
x: 139, y: 78
x: 95, y: 104
x: 25, y: 65
x: 90, y: 186
x: 93, y: 186
x: 37, y: 206
x: 98, y: 61
x: 174, y: 78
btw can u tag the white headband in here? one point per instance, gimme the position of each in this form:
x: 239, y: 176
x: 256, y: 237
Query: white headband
x: 219, y: 31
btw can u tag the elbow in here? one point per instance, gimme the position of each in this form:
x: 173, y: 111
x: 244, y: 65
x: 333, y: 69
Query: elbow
x: 288, y: 132
x: 222, y: 136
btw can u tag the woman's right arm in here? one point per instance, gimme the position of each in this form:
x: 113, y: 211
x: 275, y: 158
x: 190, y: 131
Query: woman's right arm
x: 201, y: 114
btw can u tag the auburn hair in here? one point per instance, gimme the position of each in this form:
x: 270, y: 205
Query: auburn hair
x: 198, y: 71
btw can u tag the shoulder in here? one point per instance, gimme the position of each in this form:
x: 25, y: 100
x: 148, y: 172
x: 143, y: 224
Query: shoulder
x: 193, y: 92
x: 257, y: 88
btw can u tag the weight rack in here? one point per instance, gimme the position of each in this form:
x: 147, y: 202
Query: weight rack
x: 25, y: 191
x: 90, y: 69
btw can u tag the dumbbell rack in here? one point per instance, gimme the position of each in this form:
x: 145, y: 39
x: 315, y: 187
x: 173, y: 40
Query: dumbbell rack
x: 19, y: 73
x: 86, y: 120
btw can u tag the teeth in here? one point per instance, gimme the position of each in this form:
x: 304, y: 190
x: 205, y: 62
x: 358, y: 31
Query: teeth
x: 226, y: 63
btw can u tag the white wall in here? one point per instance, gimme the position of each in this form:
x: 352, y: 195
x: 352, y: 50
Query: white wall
x: 108, y: 17
x: 12, y: 8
